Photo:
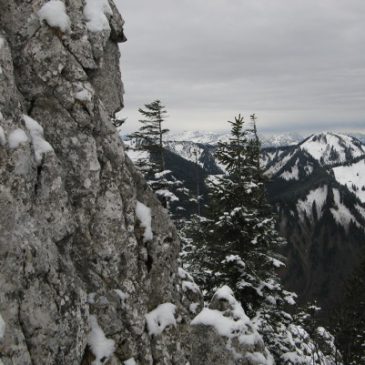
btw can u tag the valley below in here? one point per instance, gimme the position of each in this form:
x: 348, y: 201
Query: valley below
x: 316, y: 187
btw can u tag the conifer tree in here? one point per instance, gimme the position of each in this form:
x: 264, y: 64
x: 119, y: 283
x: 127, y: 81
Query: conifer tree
x: 237, y: 245
x: 149, y: 141
x: 150, y: 134
x: 237, y: 239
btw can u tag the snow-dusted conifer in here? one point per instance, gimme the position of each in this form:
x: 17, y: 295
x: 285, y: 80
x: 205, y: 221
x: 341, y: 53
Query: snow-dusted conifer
x: 238, y: 245
x: 148, y: 142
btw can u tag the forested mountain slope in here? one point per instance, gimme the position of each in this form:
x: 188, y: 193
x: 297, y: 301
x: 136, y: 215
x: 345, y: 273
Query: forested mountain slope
x: 317, y: 189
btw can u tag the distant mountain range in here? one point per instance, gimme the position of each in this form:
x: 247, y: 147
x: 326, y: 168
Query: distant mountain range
x: 318, y: 190
x: 267, y: 140
x: 212, y: 138
x: 317, y: 187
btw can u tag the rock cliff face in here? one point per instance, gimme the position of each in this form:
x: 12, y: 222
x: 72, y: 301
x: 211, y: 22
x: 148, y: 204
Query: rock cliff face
x: 78, y: 274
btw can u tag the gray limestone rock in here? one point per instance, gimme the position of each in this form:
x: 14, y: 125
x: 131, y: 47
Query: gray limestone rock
x: 71, y: 246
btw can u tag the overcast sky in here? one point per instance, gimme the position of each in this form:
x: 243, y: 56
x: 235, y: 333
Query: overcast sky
x: 298, y: 64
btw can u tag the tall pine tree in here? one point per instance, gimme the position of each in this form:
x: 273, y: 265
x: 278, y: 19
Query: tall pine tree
x: 148, y: 141
x: 150, y: 134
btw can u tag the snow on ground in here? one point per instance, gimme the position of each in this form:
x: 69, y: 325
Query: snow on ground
x: 319, y: 196
x: 17, y: 137
x: 54, y: 13
x: 160, y: 318
x: 352, y: 176
x: 96, y: 12
x: 2, y: 327
x: 101, y: 347
x: 341, y: 214
x: 40, y: 145
x: 143, y: 214
x: 293, y: 174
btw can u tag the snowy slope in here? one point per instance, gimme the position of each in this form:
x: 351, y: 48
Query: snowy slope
x: 191, y: 151
x: 315, y: 197
x: 324, y: 149
x: 341, y: 213
x: 352, y: 176
x: 332, y: 148
x: 269, y: 156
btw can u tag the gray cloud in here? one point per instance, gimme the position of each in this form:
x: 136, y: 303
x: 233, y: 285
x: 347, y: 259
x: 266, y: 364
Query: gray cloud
x: 297, y: 64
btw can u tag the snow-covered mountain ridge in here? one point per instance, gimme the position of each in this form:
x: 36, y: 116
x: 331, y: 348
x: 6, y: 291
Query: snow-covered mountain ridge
x: 316, y: 185
x: 212, y: 138
x: 340, y: 155
x: 267, y: 139
x: 329, y: 148
x: 318, y: 189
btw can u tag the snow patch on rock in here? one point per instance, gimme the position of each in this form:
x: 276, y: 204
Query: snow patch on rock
x: 101, y: 347
x: 40, y: 145
x: 84, y: 95
x: 96, y: 12
x: 143, y: 214
x: 17, y: 137
x: 130, y: 361
x: 233, y: 323
x: 54, y: 13
x: 160, y: 318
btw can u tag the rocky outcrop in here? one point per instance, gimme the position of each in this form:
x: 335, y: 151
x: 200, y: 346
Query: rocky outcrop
x: 78, y: 274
